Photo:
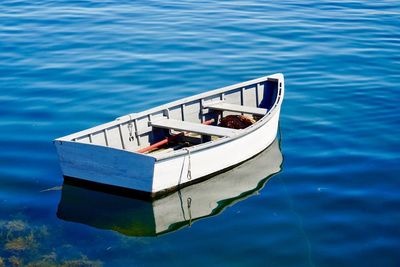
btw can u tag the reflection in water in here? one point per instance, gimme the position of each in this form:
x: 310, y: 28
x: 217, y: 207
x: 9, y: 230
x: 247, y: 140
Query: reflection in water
x: 137, y: 217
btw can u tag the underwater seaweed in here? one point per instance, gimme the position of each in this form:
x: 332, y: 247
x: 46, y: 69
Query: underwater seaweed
x: 41, y: 263
x: 50, y: 257
x: 17, y: 244
x: 12, y: 229
x: 17, y: 236
x: 21, y: 243
x: 15, y: 226
x: 15, y: 262
x: 45, y: 261
x: 51, y: 260
x: 84, y: 262
x: 34, y: 245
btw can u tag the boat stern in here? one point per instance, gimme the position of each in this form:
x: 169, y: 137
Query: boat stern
x: 105, y: 165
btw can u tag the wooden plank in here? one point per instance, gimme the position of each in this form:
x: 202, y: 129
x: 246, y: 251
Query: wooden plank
x: 167, y: 140
x: 106, y: 136
x: 193, y: 127
x: 120, y: 135
x: 237, y: 108
x: 183, y: 111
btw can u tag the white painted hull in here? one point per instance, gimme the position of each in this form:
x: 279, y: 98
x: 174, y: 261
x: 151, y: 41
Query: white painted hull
x: 173, y: 172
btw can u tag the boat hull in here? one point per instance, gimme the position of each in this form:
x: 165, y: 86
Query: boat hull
x: 174, y: 172
x: 128, y: 170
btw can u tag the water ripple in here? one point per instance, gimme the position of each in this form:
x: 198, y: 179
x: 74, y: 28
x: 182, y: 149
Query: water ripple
x: 69, y: 65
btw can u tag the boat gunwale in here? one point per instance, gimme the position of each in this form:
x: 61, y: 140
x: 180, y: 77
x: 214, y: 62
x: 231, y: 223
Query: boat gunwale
x: 130, y: 117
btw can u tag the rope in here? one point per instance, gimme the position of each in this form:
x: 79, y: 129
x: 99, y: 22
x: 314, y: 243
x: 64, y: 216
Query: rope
x: 189, y: 204
x: 189, y: 173
x: 130, y: 127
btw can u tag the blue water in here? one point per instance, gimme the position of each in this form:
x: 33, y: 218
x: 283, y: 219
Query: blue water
x: 69, y: 65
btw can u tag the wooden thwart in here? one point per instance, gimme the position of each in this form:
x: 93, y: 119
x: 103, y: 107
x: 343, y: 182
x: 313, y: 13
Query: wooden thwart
x: 167, y: 140
x: 237, y: 108
x: 193, y: 127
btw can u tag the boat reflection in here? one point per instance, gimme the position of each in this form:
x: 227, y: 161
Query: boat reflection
x: 133, y: 216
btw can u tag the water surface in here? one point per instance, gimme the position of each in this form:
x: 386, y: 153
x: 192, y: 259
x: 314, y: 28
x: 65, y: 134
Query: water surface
x: 69, y: 65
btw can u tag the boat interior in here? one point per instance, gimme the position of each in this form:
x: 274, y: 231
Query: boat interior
x: 187, y: 122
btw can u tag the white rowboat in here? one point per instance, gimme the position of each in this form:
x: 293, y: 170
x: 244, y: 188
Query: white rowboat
x: 115, y: 153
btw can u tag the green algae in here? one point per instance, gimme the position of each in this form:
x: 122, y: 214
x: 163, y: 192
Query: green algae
x: 12, y: 229
x: 18, y: 236
x: 15, y: 226
x: 17, y: 244
x: 84, y: 262
x: 21, y: 243
x: 32, y: 245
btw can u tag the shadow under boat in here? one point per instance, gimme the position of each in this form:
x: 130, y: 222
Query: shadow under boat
x: 134, y: 216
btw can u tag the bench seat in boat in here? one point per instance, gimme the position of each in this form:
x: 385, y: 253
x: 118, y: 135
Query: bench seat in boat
x: 237, y: 108
x: 194, y: 127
